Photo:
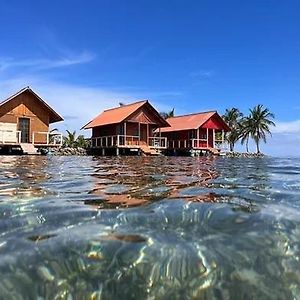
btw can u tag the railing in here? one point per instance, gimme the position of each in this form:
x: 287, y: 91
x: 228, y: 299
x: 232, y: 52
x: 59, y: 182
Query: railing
x: 196, y: 144
x: 199, y: 143
x: 47, y: 138
x: 179, y: 144
x: 127, y: 140
x: 115, y: 140
x: 10, y: 136
x: 187, y: 144
x: 158, y: 142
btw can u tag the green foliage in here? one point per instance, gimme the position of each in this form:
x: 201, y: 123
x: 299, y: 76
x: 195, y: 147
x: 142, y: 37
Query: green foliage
x: 70, y: 140
x: 259, y: 127
x: 169, y: 114
x: 255, y: 126
x: 233, y: 118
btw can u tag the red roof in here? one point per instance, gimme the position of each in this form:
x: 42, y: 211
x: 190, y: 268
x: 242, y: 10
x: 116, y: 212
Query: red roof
x: 54, y: 116
x: 120, y: 114
x: 192, y: 121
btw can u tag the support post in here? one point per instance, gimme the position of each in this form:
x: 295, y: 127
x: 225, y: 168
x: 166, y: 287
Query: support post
x: 147, y: 134
x: 223, y: 137
x: 214, y: 138
x: 103, y: 151
x: 139, y: 132
x: 117, y: 151
x: 207, y: 137
x: 33, y: 138
x: 47, y: 138
x: 125, y: 130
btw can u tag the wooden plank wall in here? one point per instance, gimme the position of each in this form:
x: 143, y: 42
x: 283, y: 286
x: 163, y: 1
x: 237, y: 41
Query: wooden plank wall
x: 26, y: 105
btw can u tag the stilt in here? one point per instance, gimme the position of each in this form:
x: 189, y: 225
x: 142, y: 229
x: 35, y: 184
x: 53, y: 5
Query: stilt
x: 117, y: 151
x: 103, y: 151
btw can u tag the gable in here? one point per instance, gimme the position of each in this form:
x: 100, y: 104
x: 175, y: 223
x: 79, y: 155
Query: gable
x: 27, y: 102
x: 216, y: 122
x: 141, y: 111
x: 143, y: 115
x: 25, y: 105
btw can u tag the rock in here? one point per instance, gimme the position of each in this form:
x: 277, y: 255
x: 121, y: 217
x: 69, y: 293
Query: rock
x: 244, y: 154
x: 67, y: 151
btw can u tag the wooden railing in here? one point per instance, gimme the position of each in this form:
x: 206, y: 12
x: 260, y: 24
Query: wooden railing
x: 10, y: 136
x: 196, y: 144
x: 158, y: 142
x: 48, y: 138
x: 127, y: 140
x: 199, y: 143
x: 179, y: 144
x: 115, y: 141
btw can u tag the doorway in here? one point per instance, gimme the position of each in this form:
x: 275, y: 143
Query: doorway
x: 24, y: 127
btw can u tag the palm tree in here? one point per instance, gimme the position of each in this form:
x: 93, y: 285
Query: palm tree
x: 75, y: 142
x: 82, y: 142
x: 260, y: 124
x: 169, y: 114
x: 233, y: 118
x: 70, y: 139
x: 246, y: 131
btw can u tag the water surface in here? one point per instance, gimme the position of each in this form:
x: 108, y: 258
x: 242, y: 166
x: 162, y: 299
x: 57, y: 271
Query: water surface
x: 149, y: 228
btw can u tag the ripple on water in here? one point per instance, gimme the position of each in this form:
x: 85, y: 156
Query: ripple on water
x: 182, y: 228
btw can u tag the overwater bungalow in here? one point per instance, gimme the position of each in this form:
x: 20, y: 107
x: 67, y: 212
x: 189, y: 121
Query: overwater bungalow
x: 197, y: 133
x: 128, y: 129
x: 24, y: 123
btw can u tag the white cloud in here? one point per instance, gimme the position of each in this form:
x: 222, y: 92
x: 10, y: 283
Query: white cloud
x: 42, y: 64
x: 290, y: 127
x: 77, y: 104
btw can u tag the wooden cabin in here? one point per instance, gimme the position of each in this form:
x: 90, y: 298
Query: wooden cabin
x: 199, y: 132
x: 128, y: 128
x: 25, y: 118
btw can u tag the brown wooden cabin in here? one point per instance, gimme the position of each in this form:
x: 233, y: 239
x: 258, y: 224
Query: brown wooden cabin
x: 128, y: 127
x: 199, y: 131
x: 25, y: 119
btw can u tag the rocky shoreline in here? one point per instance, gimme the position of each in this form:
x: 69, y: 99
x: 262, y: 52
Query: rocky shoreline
x: 244, y: 154
x: 68, y: 151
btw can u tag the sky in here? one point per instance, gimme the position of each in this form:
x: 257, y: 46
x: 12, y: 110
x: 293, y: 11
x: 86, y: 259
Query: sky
x: 85, y: 56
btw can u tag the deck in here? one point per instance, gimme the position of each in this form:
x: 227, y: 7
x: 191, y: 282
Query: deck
x: 129, y: 142
x: 11, y: 140
x: 196, y: 146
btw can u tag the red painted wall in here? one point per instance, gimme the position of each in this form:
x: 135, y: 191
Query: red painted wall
x: 214, y: 123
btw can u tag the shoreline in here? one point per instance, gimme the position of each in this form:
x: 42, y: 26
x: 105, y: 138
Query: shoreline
x: 70, y: 151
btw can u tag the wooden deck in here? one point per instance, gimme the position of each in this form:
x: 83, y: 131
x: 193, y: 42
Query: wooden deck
x: 124, y: 143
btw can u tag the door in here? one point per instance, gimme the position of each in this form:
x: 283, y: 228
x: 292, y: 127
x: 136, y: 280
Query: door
x: 143, y: 134
x: 24, y: 127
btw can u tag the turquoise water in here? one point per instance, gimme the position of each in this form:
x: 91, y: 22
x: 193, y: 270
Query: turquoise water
x: 149, y: 228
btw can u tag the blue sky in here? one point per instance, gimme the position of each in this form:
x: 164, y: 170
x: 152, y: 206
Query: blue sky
x: 84, y: 56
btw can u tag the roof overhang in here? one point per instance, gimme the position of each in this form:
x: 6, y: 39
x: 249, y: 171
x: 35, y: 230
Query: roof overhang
x: 55, y: 117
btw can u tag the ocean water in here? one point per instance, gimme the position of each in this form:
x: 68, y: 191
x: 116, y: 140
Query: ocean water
x: 149, y: 228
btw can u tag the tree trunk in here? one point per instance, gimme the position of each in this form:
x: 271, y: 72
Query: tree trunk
x: 231, y: 145
x: 257, y: 146
x: 247, y: 144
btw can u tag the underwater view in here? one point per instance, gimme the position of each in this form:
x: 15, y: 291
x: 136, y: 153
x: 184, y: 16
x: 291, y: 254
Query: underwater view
x: 149, y: 228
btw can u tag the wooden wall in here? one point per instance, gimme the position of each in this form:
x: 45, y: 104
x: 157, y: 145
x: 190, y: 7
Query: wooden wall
x: 215, y: 122
x: 107, y: 130
x: 26, y: 105
x: 143, y: 115
x: 132, y: 129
